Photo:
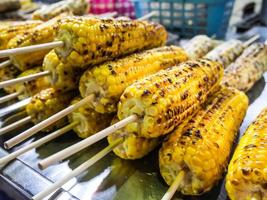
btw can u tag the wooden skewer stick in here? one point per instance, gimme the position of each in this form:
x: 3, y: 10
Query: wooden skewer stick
x: 14, y: 107
x: 15, y: 125
x: 251, y: 40
x: 23, y: 79
x: 5, y: 64
x: 29, y: 49
x: 77, y: 171
x: 86, y: 142
x: 37, y: 143
x: 38, y: 127
x: 9, y: 97
x: 174, y: 186
x: 148, y: 15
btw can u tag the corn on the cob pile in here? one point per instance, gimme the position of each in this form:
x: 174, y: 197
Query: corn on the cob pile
x: 90, y: 41
x: 247, y: 172
x: 90, y: 121
x: 163, y: 100
x: 30, y: 88
x: 47, y: 103
x: 199, y: 46
x: 247, y: 69
x: 63, y: 76
x: 76, y: 7
x: 201, y: 148
x: 8, y: 73
x: 108, y: 81
x: 10, y: 31
x: 226, y: 53
x: 40, y: 34
x: 132, y: 147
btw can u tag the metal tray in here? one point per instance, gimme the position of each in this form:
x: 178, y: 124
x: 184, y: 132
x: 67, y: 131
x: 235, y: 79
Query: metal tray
x: 111, y: 177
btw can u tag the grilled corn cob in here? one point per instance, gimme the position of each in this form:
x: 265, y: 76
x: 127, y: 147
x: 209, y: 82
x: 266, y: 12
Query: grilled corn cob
x: 63, y: 77
x: 247, y: 69
x: 31, y: 88
x: 77, y: 7
x: 41, y: 34
x: 199, y: 46
x: 226, y: 53
x: 47, y: 103
x: 89, y: 41
x: 247, y: 172
x: 10, y: 31
x: 8, y: 73
x: 108, y: 81
x: 194, y: 148
x: 133, y: 147
x: 163, y: 100
x: 90, y: 121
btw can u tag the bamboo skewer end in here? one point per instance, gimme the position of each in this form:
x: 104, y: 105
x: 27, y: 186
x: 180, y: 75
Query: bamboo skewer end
x: 77, y: 170
x: 174, y: 186
x: 86, y: 142
x: 29, y: 49
x: 5, y: 64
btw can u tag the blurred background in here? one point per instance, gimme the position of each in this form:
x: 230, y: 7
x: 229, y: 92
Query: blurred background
x: 186, y: 18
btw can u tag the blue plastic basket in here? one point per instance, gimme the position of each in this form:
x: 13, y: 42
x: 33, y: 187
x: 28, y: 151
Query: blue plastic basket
x: 189, y: 17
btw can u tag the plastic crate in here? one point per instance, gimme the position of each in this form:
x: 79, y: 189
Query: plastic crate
x: 189, y: 17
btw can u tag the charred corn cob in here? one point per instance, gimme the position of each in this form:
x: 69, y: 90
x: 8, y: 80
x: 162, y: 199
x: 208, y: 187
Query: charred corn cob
x: 63, y: 77
x: 40, y: 34
x: 132, y: 147
x: 201, y: 148
x: 89, y: 41
x: 8, y: 73
x: 10, y: 31
x: 247, y: 69
x: 77, y: 7
x: 199, y: 46
x: 31, y: 88
x: 226, y: 53
x: 108, y: 81
x: 163, y: 100
x: 247, y: 172
x: 90, y: 121
x: 47, y: 103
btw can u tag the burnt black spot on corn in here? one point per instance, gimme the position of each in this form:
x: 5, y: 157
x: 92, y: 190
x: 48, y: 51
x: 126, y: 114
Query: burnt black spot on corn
x: 40, y: 34
x: 247, y: 69
x: 132, y: 101
x: 90, y: 121
x: 47, y: 103
x: 83, y: 33
x: 246, y: 177
x: 202, y: 152
x: 133, y: 146
x: 7, y: 32
x: 108, y: 81
x: 226, y: 53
